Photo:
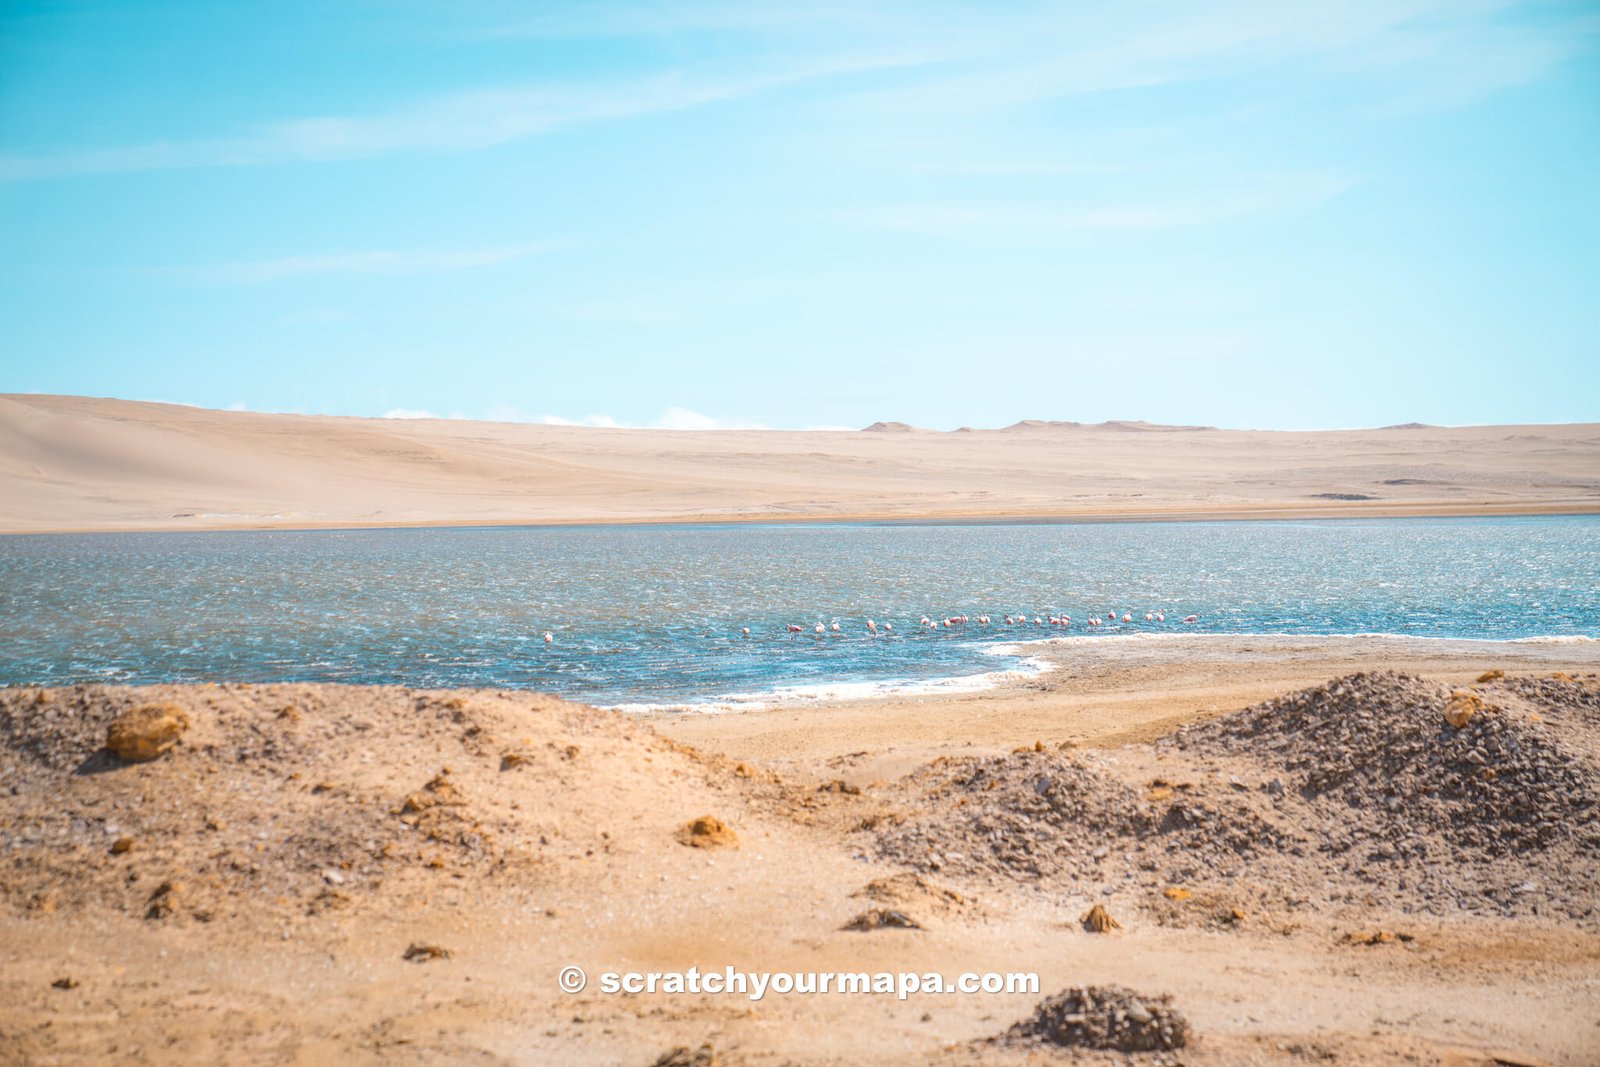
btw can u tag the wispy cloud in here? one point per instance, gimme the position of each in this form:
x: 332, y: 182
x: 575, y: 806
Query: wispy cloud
x: 981, y: 219
x: 1442, y: 50
x: 386, y: 261
x: 454, y: 122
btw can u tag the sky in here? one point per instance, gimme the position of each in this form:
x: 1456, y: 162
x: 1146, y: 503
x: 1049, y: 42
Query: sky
x: 717, y: 213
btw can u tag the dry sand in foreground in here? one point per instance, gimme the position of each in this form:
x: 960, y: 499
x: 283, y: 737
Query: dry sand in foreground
x: 250, y: 896
x: 76, y: 463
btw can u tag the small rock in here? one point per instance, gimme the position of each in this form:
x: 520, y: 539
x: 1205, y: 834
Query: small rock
x: 420, y: 953
x: 146, y: 732
x: 708, y: 831
x: 1099, y: 921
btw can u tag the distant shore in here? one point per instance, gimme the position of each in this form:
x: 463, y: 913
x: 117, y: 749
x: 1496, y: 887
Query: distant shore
x: 80, y: 464
x: 931, y: 518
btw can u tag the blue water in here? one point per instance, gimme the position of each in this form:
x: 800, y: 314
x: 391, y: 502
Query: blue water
x: 652, y: 614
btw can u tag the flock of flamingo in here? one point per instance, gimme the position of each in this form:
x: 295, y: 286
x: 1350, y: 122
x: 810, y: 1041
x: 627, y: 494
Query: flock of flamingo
x: 926, y: 623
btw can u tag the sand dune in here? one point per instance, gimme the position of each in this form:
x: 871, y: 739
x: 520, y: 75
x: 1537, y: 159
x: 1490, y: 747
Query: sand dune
x: 77, y: 463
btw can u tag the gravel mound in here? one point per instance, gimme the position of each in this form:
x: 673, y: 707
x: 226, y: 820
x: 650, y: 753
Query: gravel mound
x: 1378, y: 744
x: 1105, y: 1017
x: 1032, y: 815
x: 1496, y: 813
x: 1359, y: 792
x: 1025, y: 815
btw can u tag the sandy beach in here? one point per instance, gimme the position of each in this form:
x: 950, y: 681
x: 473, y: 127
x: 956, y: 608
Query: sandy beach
x: 79, y: 463
x: 1338, y: 876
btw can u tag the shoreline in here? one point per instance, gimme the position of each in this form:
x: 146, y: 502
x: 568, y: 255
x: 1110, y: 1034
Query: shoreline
x: 1111, y: 690
x: 1342, y: 511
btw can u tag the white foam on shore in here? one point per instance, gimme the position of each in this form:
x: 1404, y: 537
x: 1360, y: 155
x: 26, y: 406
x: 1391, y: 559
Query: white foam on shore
x: 1554, y: 639
x: 1028, y: 666
x: 841, y: 692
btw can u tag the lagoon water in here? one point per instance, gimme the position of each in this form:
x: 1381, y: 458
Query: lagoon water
x: 652, y: 614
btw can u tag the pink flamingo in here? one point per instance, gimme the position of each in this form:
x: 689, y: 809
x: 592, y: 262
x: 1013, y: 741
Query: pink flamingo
x: 1192, y: 618
x: 549, y: 638
x: 796, y: 629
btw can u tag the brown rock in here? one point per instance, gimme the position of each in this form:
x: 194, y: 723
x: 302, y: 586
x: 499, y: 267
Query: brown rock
x: 164, y: 901
x: 146, y: 732
x: 417, y: 952
x: 1099, y: 921
x: 684, y: 1056
x: 708, y: 831
x: 882, y: 918
x: 121, y: 845
x: 1462, y: 706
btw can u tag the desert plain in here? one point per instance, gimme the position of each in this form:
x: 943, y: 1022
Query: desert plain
x: 81, y: 463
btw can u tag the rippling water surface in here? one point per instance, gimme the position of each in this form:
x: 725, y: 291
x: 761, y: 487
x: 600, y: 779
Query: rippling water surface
x: 652, y: 614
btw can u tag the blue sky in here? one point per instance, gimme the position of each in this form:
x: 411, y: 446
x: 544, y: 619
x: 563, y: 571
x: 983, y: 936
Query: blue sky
x: 1242, y: 213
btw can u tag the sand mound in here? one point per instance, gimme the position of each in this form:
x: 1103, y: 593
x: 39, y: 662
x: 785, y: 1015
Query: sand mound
x: 306, y: 800
x: 1104, y: 1017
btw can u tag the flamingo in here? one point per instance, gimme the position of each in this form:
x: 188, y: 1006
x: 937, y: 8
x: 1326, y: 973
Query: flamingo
x: 888, y: 627
x: 746, y: 631
x: 1127, y: 618
x: 835, y: 627
x: 796, y: 629
x: 1192, y: 618
x: 549, y: 638
x: 1161, y: 616
x: 1148, y: 616
x: 872, y: 626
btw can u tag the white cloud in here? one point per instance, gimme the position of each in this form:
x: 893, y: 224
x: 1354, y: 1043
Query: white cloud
x: 417, y: 413
x: 383, y: 261
x: 454, y: 122
x: 673, y: 418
